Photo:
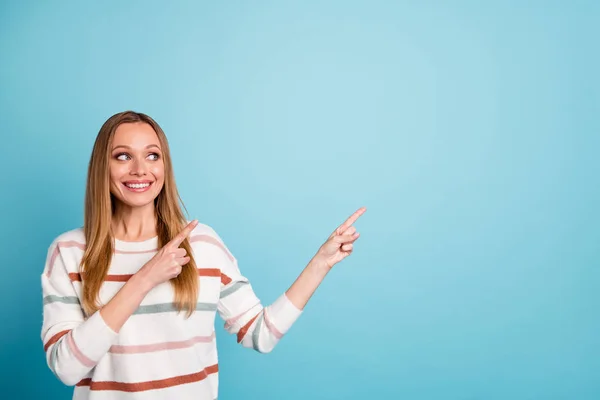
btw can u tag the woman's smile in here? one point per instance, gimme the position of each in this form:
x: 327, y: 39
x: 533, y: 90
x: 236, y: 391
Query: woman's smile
x: 138, y: 186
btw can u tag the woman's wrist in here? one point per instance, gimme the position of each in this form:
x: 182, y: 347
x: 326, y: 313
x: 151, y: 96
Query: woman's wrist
x: 141, y: 283
x: 318, y: 266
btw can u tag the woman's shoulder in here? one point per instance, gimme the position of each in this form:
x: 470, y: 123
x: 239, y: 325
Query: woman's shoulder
x: 206, y: 234
x: 203, y: 232
x: 71, y: 238
x: 71, y: 242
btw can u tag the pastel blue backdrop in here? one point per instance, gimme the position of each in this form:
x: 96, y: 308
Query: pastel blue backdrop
x: 468, y: 128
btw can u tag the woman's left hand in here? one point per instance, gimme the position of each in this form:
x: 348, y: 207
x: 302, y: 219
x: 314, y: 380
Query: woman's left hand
x: 339, y: 245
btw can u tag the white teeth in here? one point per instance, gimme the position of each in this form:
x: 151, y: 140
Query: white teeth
x: 137, y: 185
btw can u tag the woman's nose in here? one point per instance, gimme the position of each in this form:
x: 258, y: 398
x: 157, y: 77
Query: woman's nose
x: 138, y: 168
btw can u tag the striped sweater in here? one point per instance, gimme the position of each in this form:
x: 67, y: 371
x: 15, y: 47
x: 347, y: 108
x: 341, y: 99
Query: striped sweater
x: 158, y: 353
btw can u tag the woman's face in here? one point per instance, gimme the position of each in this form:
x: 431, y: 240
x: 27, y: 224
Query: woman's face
x: 137, y: 172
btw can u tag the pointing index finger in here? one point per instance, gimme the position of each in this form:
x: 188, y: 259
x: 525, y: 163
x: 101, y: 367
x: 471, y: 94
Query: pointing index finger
x: 348, y: 223
x: 177, y: 240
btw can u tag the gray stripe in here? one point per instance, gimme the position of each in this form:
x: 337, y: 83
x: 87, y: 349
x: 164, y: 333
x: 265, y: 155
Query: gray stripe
x: 232, y: 289
x: 54, y: 355
x: 61, y: 299
x: 256, y: 332
x: 169, y: 307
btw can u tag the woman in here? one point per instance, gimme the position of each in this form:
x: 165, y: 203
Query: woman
x: 130, y: 299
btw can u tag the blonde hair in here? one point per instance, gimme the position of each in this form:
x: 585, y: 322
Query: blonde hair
x: 99, y: 208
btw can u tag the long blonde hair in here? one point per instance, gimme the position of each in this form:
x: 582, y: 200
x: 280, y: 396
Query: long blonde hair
x: 99, y: 208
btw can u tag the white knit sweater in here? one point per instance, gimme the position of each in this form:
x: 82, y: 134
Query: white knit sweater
x: 158, y: 353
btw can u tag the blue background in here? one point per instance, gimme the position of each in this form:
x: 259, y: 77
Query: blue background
x: 469, y: 129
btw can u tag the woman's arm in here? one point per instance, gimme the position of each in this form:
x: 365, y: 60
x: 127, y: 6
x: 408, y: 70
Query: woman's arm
x: 260, y: 327
x: 338, y: 246
x: 74, y: 344
x: 165, y: 265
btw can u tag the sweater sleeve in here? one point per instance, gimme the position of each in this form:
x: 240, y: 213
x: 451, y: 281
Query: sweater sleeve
x: 256, y: 327
x: 73, y: 343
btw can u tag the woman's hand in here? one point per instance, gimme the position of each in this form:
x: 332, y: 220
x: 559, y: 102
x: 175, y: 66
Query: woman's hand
x: 168, y: 262
x: 165, y: 265
x: 339, y: 245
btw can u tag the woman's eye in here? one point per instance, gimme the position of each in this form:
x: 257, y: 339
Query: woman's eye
x: 122, y: 157
x: 153, y: 156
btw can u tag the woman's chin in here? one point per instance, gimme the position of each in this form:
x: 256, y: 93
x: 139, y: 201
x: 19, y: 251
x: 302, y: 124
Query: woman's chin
x: 142, y: 201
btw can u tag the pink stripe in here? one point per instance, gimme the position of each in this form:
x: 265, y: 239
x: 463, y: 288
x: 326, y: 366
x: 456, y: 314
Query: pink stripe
x: 66, y: 244
x: 52, y: 259
x: 72, y: 243
x: 271, y: 327
x: 149, y: 348
x: 78, y: 354
x: 211, y: 240
x: 229, y: 323
x: 135, y: 251
x: 193, y: 239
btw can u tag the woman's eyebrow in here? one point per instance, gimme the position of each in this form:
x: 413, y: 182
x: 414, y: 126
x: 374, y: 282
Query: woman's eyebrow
x: 128, y: 147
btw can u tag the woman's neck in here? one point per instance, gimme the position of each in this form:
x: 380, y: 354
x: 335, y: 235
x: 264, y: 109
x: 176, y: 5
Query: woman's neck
x: 134, y: 224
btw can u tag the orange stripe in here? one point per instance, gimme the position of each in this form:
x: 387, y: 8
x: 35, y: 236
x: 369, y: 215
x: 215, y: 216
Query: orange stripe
x: 55, y: 338
x: 150, y: 385
x: 117, y: 278
x: 242, y: 332
x: 216, y: 272
x: 76, y: 277
x: 211, y: 272
x: 225, y: 279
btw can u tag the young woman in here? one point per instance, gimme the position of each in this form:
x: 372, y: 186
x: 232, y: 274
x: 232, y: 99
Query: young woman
x: 130, y: 299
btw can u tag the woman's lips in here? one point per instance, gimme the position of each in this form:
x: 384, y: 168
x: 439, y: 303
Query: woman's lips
x: 137, y: 187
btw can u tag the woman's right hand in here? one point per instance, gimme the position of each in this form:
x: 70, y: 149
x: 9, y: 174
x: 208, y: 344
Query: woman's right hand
x: 168, y: 261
